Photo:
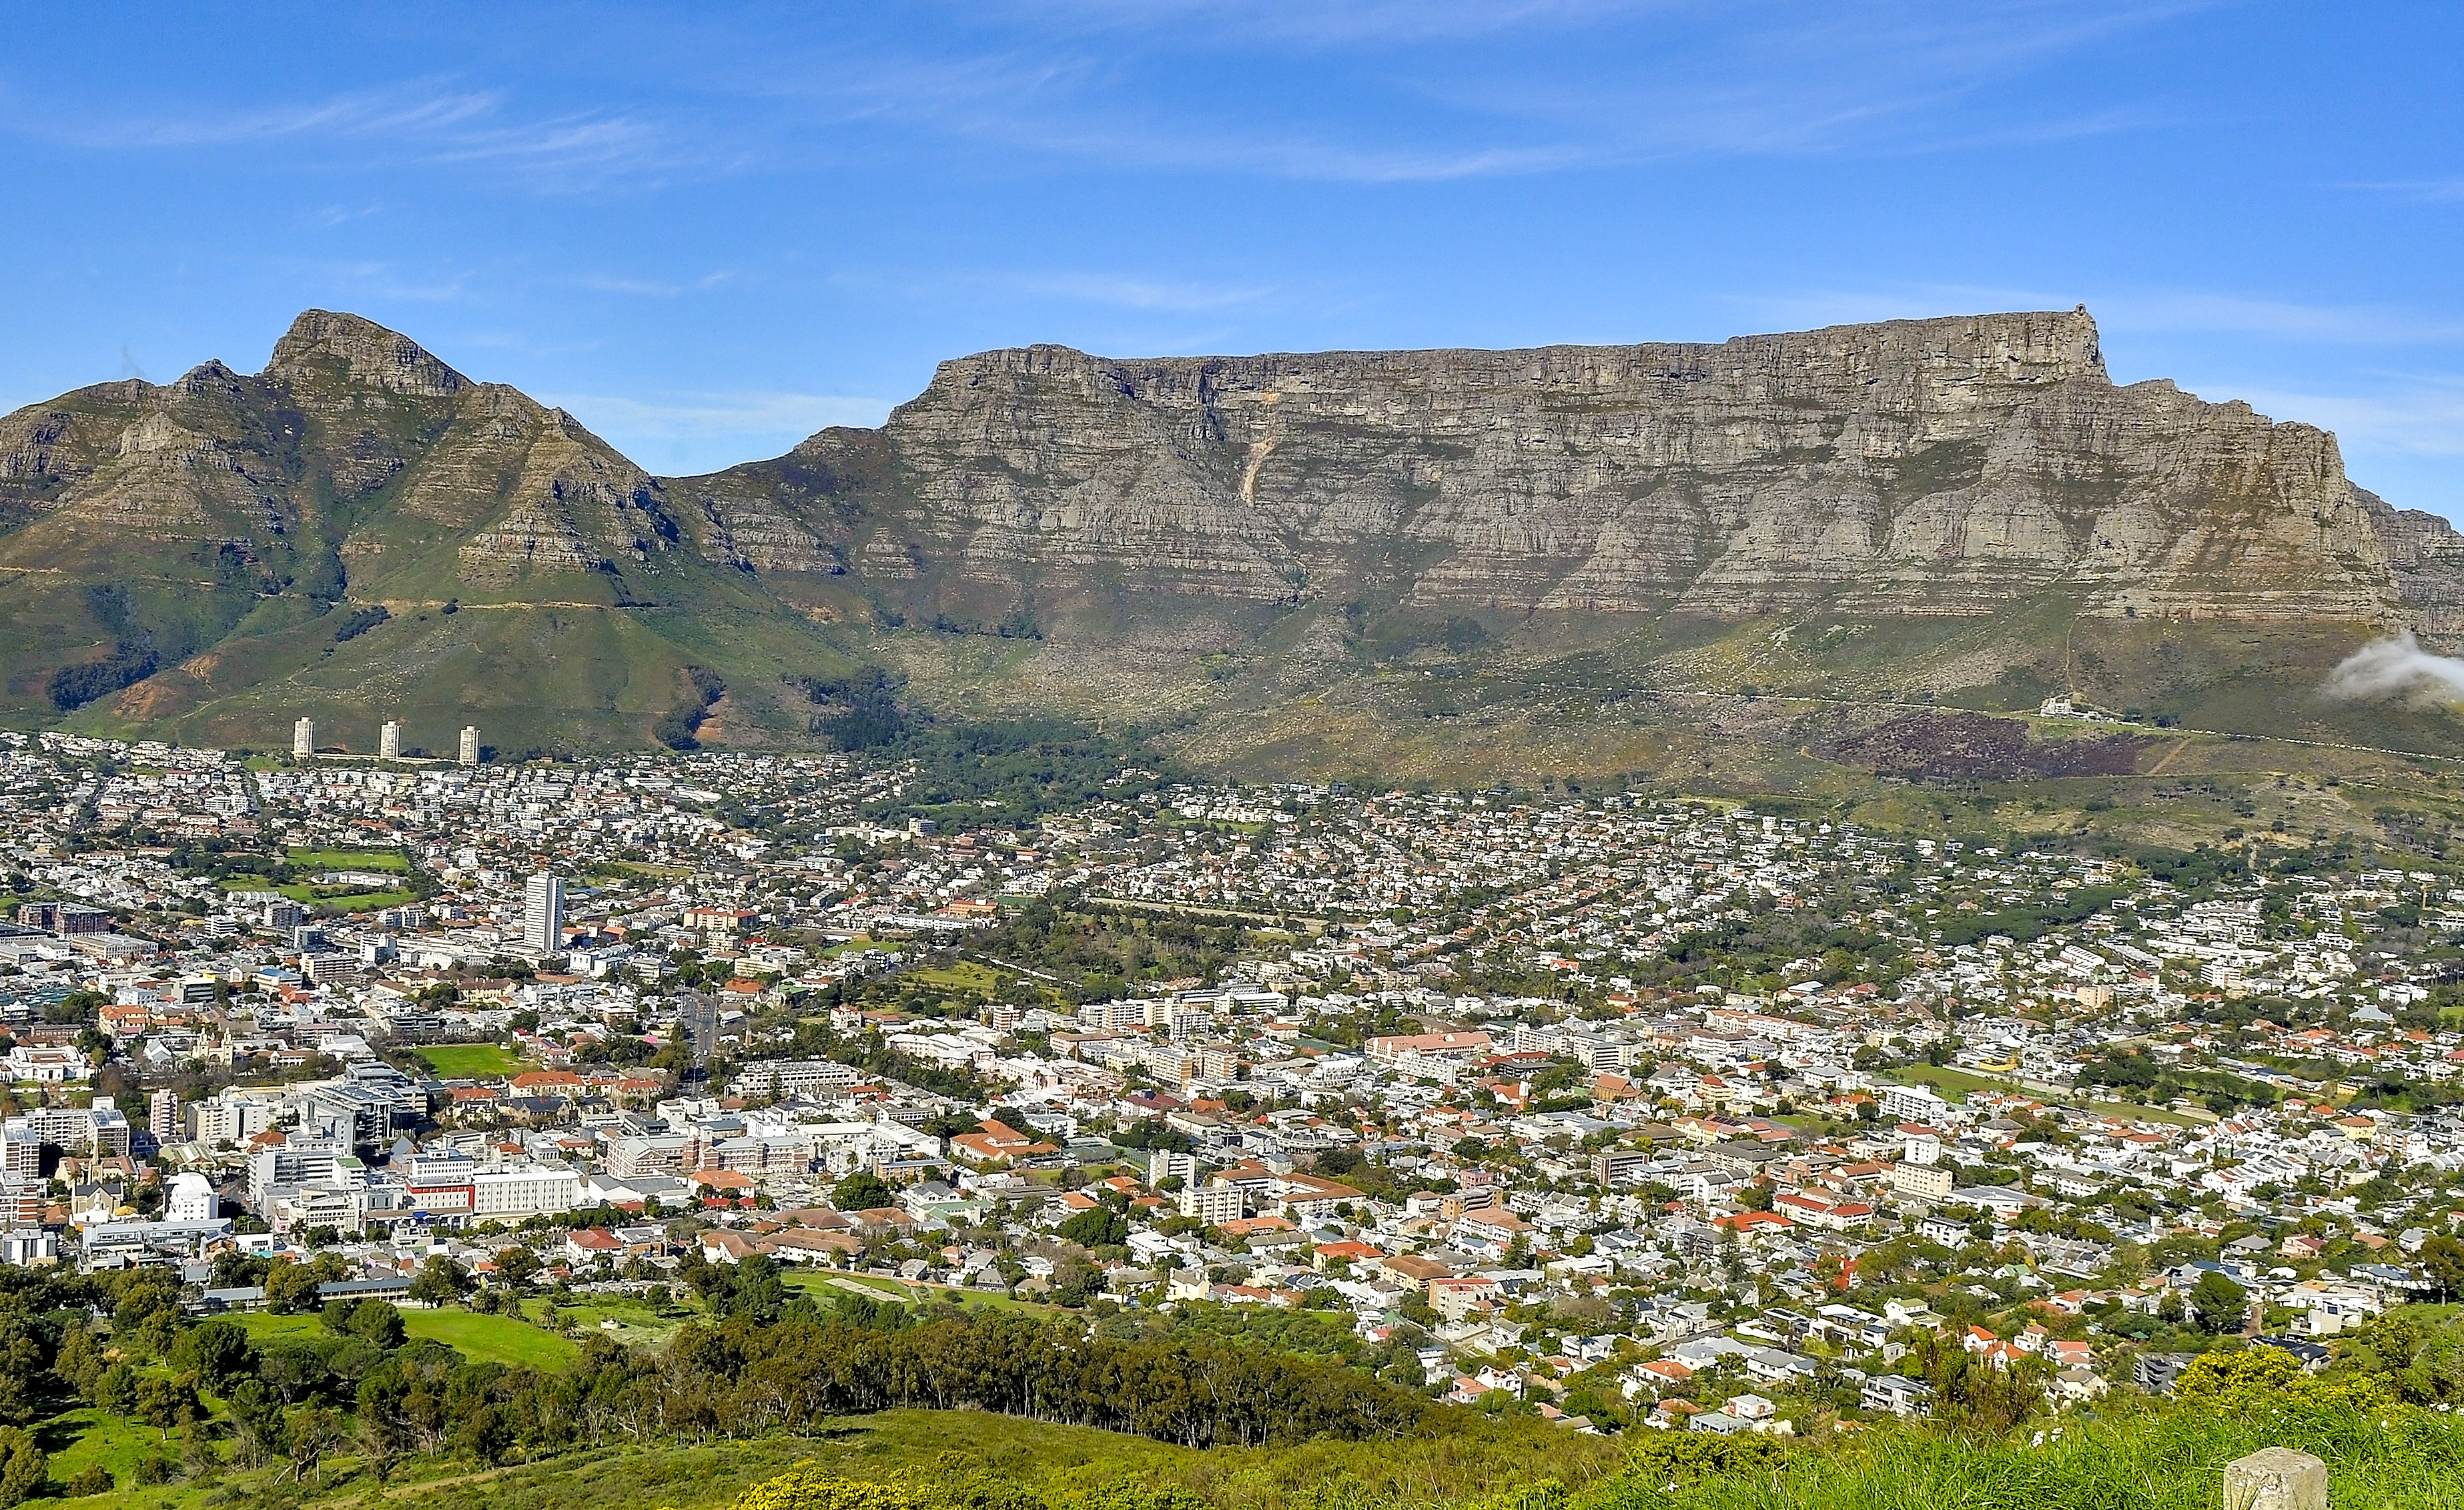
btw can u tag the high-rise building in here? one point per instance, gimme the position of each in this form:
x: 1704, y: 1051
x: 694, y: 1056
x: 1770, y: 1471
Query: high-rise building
x: 389, y: 741
x: 469, y: 755
x: 303, y: 737
x: 162, y: 1115
x: 544, y: 913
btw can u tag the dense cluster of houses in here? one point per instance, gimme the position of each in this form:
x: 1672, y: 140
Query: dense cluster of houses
x: 1516, y: 1083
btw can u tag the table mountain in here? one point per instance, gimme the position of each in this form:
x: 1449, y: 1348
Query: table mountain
x: 1963, y: 508
x: 1935, y: 467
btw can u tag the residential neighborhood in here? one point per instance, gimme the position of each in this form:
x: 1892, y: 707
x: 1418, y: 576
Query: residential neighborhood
x: 1628, y: 1110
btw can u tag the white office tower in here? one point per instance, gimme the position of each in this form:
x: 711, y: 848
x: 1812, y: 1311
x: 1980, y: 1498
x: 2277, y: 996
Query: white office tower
x: 544, y: 913
x: 389, y: 741
x: 303, y: 737
x: 470, y: 744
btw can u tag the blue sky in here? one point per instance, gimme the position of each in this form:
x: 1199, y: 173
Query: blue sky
x: 709, y: 229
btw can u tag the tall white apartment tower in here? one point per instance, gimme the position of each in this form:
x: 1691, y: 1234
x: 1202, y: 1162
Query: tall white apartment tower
x: 303, y: 737
x: 544, y: 913
x: 469, y: 755
x: 389, y: 741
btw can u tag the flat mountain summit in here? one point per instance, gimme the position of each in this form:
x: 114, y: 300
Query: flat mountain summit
x: 1396, y: 559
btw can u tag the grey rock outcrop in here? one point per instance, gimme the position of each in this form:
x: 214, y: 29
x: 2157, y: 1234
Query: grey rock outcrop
x: 1935, y: 467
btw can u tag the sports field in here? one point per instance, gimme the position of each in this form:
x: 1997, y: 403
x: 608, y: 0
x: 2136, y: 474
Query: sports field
x: 471, y: 1060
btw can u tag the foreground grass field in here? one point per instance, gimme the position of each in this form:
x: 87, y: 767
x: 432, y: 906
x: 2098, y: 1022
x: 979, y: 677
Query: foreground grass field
x: 2137, y: 1458
x: 471, y: 1060
x: 1057, y: 1461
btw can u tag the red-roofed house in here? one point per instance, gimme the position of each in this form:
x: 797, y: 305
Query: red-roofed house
x: 998, y: 1143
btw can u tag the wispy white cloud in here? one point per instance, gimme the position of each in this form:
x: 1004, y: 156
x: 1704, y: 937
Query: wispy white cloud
x: 2424, y: 417
x: 389, y: 281
x: 2432, y: 190
x: 1130, y: 293
x: 2283, y: 320
x: 409, y: 110
x: 420, y: 120
x: 1880, y: 76
x: 564, y: 143
x: 521, y: 343
x: 653, y: 288
x: 1370, y: 91
x: 1393, y: 93
x: 1105, y: 290
x: 2016, y: 28
x: 1316, y: 23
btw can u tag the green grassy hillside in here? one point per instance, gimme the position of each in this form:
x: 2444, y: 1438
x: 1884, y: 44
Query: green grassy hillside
x: 1034, y: 1458
x: 2133, y: 1458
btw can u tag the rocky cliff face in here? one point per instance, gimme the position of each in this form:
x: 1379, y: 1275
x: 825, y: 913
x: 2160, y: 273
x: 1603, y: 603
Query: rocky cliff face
x: 355, y: 463
x: 197, y: 531
x: 1189, y: 536
x: 1931, y: 467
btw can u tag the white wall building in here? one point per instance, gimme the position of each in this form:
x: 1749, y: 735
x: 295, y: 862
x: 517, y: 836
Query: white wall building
x: 193, y: 1199
x: 524, y: 1192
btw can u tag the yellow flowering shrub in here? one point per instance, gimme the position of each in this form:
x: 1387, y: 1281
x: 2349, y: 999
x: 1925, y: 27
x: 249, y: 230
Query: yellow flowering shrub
x: 2262, y: 1378
x: 808, y: 1486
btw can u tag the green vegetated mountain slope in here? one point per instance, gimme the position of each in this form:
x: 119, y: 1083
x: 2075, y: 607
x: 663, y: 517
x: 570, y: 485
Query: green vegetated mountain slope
x: 359, y: 533
x: 1775, y: 557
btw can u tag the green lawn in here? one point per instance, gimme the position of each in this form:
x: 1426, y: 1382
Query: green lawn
x: 634, y: 869
x: 482, y: 1339
x: 471, y: 1060
x: 307, y: 894
x: 493, y: 1339
x: 1945, y: 1079
x: 823, y: 1283
x: 77, y: 1439
x: 296, y: 890
x: 265, y: 1325
x: 1958, y: 1082
x: 859, y: 946
x: 363, y: 901
x: 963, y: 976
x: 638, y: 1323
x: 350, y: 860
